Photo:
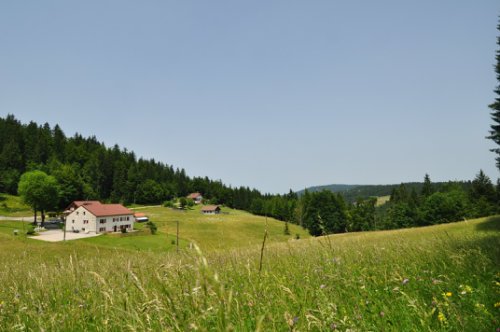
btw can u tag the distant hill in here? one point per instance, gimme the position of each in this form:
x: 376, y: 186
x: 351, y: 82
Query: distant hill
x: 336, y: 188
x: 352, y: 191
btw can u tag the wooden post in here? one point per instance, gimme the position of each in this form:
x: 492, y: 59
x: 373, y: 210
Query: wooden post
x: 65, y: 228
x: 177, y: 235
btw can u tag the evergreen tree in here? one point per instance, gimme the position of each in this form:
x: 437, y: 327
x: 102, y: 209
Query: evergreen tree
x: 427, y: 188
x: 495, y: 107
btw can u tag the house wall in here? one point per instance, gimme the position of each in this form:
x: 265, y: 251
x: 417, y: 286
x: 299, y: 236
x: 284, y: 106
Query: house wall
x: 76, y: 221
x: 118, y: 221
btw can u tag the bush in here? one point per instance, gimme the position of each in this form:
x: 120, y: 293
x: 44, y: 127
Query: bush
x: 169, y: 204
x: 182, y: 202
x: 124, y: 230
x: 287, y: 230
x: 152, y: 227
x: 31, y: 230
x: 297, y: 236
x: 172, y: 242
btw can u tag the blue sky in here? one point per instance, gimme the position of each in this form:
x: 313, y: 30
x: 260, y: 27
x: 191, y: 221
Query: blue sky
x: 267, y: 94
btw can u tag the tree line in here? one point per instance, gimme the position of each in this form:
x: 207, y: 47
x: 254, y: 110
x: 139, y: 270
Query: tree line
x: 85, y: 169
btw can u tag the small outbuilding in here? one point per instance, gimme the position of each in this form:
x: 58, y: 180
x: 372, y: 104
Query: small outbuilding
x: 141, y: 217
x: 196, y: 197
x: 210, y: 209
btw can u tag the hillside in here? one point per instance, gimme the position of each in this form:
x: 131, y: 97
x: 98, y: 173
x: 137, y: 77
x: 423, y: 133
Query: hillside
x: 352, y: 192
x: 441, y: 277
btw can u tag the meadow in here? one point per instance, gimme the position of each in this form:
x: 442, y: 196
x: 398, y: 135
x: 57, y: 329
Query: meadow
x: 437, y: 278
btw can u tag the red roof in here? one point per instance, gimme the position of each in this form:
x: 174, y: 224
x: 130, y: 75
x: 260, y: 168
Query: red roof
x: 210, y: 208
x: 194, y: 195
x: 100, y: 210
x: 140, y: 215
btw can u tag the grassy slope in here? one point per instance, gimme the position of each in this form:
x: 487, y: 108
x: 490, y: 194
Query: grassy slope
x: 12, y: 206
x: 230, y: 229
x: 350, y: 282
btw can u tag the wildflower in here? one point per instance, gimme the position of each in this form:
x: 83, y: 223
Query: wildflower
x: 18, y: 295
x: 76, y: 291
x: 40, y: 311
x: 405, y: 281
x: 441, y: 316
x: 396, y: 289
x: 446, y: 294
x: 333, y: 326
x: 236, y: 293
x: 80, y: 306
x: 497, y: 304
x: 382, y: 314
x: 295, y: 319
x: 322, y: 286
x: 250, y: 304
x: 166, y: 275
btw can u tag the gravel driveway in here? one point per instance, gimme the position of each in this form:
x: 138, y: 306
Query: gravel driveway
x: 58, y: 235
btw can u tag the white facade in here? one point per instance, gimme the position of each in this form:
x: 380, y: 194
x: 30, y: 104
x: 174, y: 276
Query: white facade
x: 84, y: 221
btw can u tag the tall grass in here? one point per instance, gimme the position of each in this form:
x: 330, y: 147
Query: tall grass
x: 440, y: 278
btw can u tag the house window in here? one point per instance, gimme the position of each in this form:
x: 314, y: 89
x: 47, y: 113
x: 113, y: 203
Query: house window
x: 102, y: 229
x: 128, y: 218
x: 121, y: 218
x: 73, y: 221
x: 83, y: 229
x: 83, y: 212
x: 85, y: 221
x: 102, y: 221
x: 77, y: 212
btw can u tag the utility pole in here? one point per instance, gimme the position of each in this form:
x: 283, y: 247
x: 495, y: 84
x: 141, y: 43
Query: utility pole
x: 64, y: 239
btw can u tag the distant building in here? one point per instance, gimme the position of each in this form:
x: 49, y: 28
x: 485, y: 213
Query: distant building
x: 141, y: 217
x: 196, y: 197
x: 210, y: 209
x: 95, y: 217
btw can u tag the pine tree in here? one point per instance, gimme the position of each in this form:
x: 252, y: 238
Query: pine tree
x: 495, y: 107
x: 427, y: 189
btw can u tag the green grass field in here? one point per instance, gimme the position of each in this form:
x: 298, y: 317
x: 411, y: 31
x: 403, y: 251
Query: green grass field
x: 438, y: 278
x: 230, y: 229
x: 12, y: 206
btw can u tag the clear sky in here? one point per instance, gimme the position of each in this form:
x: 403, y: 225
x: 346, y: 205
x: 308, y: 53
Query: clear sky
x: 266, y: 94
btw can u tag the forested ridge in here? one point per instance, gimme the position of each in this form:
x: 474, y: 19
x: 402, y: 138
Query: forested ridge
x: 352, y: 192
x: 86, y: 169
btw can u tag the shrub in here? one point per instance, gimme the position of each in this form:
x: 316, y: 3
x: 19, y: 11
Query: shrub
x: 287, y: 230
x: 297, y: 236
x: 169, y: 204
x: 152, y: 227
x: 182, y: 202
x: 31, y: 230
x: 124, y: 230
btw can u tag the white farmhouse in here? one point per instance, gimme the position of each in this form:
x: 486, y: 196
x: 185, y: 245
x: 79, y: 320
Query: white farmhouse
x: 94, y: 217
x: 196, y: 197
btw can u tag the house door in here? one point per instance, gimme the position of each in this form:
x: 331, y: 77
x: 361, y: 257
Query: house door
x: 115, y: 228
